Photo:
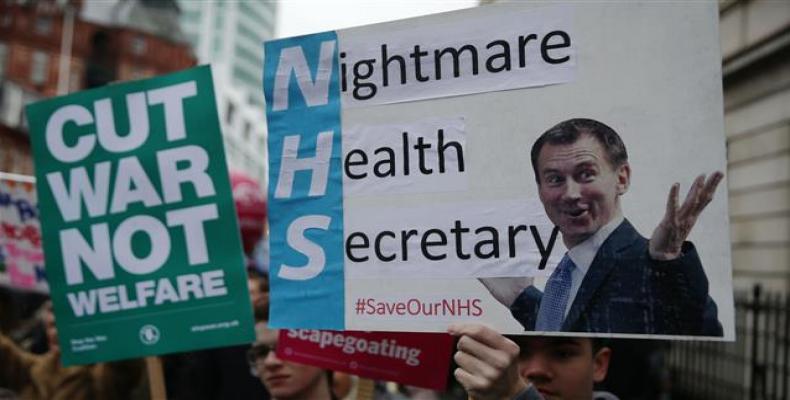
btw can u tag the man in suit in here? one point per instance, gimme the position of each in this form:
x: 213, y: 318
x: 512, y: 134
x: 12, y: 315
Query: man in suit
x: 612, y: 279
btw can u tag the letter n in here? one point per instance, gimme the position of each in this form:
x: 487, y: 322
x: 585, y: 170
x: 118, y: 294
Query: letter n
x: 315, y: 92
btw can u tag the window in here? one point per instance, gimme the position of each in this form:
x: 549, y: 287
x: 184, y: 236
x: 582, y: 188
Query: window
x: 43, y: 25
x: 3, y: 56
x: 137, y: 72
x: 5, y: 20
x: 218, y: 47
x: 5, y: 155
x: 75, y: 81
x: 246, y: 132
x: 229, y: 111
x: 138, y: 45
x: 39, y: 68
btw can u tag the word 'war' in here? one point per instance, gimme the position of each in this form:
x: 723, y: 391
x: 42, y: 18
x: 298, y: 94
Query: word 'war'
x: 131, y: 184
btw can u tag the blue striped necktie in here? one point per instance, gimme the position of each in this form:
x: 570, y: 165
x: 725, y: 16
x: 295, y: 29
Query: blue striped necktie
x: 555, y: 297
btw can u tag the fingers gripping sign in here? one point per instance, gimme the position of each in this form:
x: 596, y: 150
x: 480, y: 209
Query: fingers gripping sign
x: 487, y: 363
x: 675, y: 227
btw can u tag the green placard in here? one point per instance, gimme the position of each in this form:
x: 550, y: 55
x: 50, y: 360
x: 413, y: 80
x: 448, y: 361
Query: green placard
x: 139, y: 228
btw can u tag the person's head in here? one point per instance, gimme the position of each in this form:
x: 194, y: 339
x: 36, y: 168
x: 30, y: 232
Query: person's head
x: 250, y: 202
x: 581, y: 168
x: 258, y: 287
x: 562, y: 367
x: 48, y: 316
x: 283, y: 379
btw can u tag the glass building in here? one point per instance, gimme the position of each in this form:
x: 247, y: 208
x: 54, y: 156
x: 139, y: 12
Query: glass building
x: 231, y: 33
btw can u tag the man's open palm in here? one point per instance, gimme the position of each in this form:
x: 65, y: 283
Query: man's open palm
x: 672, y: 231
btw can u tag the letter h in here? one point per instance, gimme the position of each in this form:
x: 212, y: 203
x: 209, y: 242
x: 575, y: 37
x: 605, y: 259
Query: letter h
x: 318, y: 165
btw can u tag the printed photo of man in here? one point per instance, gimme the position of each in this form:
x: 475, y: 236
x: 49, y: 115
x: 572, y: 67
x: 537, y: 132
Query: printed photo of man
x: 612, y: 279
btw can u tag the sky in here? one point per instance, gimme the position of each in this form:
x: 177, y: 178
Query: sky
x: 299, y: 17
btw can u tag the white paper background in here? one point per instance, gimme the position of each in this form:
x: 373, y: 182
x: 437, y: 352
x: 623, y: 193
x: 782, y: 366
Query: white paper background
x: 370, y: 138
x: 649, y: 70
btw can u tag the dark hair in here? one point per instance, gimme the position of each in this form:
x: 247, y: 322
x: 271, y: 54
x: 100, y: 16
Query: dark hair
x: 599, y: 343
x: 569, y: 131
x: 596, y: 343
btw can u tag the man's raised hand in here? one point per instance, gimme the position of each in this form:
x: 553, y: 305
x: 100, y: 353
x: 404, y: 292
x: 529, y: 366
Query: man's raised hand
x: 675, y: 227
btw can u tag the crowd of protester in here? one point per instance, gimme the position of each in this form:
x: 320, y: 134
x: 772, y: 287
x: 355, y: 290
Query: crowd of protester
x: 486, y: 365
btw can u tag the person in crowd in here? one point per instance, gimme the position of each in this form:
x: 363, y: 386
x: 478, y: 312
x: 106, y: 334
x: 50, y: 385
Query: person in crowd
x: 492, y: 366
x: 32, y: 376
x: 287, y: 380
x: 222, y: 373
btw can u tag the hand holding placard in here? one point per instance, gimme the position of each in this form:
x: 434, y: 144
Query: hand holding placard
x: 487, y: 366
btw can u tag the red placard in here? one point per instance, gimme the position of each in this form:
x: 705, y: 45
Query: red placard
x: 418, y: 359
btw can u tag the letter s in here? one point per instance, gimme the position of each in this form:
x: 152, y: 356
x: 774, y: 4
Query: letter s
x: 478, y: 310
x: 316, y: 259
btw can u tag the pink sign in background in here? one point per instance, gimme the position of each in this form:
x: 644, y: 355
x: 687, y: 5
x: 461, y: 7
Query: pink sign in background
x: 418, y: 359
x: 21, y: 256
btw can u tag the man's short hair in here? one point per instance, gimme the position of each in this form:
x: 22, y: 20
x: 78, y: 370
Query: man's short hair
x: 569, y: 131
x: 596, y: 343
x: 599, y: 343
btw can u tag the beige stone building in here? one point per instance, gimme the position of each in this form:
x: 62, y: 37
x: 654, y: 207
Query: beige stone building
x: 755, y: 44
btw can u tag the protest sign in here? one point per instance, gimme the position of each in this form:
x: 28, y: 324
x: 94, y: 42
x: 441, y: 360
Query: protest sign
x: 139, y: 228
x: 401, y: 187
x: 418, y: 359
x: 21, y: 257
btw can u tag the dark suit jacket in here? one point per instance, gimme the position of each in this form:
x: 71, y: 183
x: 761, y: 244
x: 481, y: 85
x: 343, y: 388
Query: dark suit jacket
x: 625, y: 291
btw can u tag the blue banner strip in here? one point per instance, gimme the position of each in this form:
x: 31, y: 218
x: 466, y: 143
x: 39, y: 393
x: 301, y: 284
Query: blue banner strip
x: 306, y: 292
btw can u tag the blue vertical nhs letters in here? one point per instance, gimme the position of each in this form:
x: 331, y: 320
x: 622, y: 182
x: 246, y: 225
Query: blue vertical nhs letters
x: 303, y: 112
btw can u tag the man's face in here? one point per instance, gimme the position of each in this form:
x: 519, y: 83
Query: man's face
x: 259, y: 296
x: 284, y: 379
x: 578, y: 187
x: 562, y: 368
